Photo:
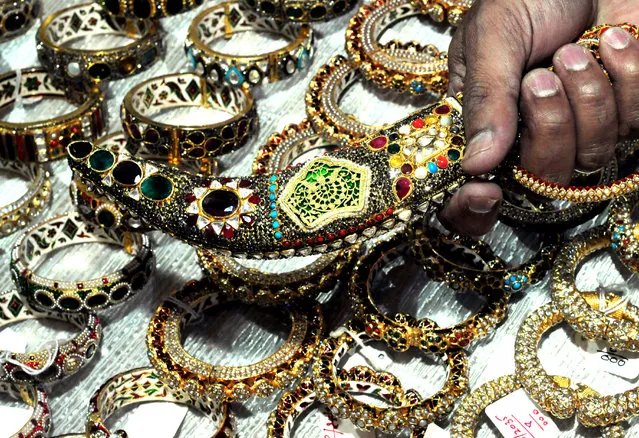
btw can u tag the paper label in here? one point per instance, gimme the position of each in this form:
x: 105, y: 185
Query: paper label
x: 156, y: 419
x: 12, y: 341
x: 370, y: 357
x: 619, y: 363
x: 13, y: 419
x: 434, y: 431
x: 331, y: 427
x: 516, y: 416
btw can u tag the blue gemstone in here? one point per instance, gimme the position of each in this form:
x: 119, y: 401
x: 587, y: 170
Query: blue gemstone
x: 273, y: 178
x: 234, y: 77
x: 272, y: 197
x: 272, y: 188
x: 513, y: 278
x: 192, y: 58
x: 274, y: 214
x: 273, y: 205
x: 615, y: 236
x: 278, y: 235
x: 276, y: 224
x: 614, y: 245
x: 507, y: 282
x: 432, y: 167
x: 302, y: 61
x: 622, y: 228
x: 524, y: 279
x: 517, y: 286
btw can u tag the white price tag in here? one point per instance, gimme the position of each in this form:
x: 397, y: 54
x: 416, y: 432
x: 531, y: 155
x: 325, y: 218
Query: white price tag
x: 13, y: 419
x: 331, y: 427
x: 12, y: 341
x: 434, y: 431
x: 516, y: 416
x: 370, y: 357
x: 156, y: 419
x: 619, y: 363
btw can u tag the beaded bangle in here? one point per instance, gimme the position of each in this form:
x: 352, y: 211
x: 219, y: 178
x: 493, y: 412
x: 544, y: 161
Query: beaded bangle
x: 440, y: 10
x: 143, y: 385
x: 324, y: 113
x: 76, y: 296
x: 225, y: 383
x: 53, y: 364
x: 16, y: 17
x: 17, y: 214
x: 39, y: 424
x: 148, y: 8
x: 416, y: 72
x: 466, y: 417
x: 91, y: 21
x: 285, y: 148
x: 554, y: 394
x: 392, y: 419
x: 486, y: 272
x: 175, y: 143
x: 224, y: 19
x: 621, y: 331
x: 300, y: 10
x: 402, y: 331
x: 47, y: 140
x: 623, y: 231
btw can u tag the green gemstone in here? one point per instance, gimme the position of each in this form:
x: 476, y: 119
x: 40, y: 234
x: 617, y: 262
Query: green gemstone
x: 393, y: 148
x: 106, y: 218
x: 101, y: 160
x: 453, y: 155
x: 156, y: 187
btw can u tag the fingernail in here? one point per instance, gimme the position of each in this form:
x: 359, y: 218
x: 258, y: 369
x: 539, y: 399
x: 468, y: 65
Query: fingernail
x: 482, y: 205
x: 575, y: 58
x: 616, y: 38
x: 478, y: 145
x: 542, y: 83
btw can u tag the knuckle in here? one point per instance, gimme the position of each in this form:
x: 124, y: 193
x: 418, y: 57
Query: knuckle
x: 594, y: 157
x: 555, y: 123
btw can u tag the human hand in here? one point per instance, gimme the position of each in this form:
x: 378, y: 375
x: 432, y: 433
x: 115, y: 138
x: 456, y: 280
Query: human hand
x: 571, y: 117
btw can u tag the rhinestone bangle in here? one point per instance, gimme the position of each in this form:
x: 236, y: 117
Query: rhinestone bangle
x: 47, y: 140
x: 440, y: 10
x: 403, y: 331
x: 144, y: 9
x: 225, y: 383
x: 76, y: 296
x: 91, y: 21
x: 225, y: 19
x: 18, y: 213
x: 624, y: 231
x: 40, y: 422
x: 133, y: 387
x: 16, y: 17
x: 416, y: 72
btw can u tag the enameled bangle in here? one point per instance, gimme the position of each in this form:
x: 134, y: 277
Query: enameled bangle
x: 300, y: 10
x: 91, y: 21
x: 624, y: 232
x: 16, y: 16
x: 143, y: 385
x: 47, y: 140
x: 452, y: 11
x: 143, y: 9
x: 417, y: 72
x: 49, y: 365
x: 225, y: 19
x: 176, y: 143
x: 39, y: 424
x: 77, y: 296
x: 28, y: 206
x: 225, y: 383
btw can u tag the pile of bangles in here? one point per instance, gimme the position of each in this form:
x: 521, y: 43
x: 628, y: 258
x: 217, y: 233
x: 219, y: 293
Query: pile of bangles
x: 357, y: 197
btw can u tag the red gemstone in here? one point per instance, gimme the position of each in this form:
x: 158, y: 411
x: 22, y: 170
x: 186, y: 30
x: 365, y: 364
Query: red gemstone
x: 379, y: 217
x: 341, y: 233
x: 378, y: 142
x: 105, y: 280
x: 457, y: 140
x: 389, y: 211
x: 406, y: 169
x: 297, y: 242
x: 209, y: 232
x: 402, y: 187
x: 331, y: 236
x: 75, y: 129
x: 320, y: 239
x: 418, y: 123
x: 442, y: 161
x: 228, y: 231
x: 286, y: 244
x: 225, y: 180
x: 352, y: 230
x: 311, y: 241
x: 80, y: 286
x: 254, y: 199
x: 244, y: 184
x: 443, y: 109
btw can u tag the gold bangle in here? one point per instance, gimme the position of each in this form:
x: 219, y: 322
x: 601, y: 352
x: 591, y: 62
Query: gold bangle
x: 90, y: 20
x: 16, y: 16
x: 284, y: 149
x: 176, y: 143
x: 224, y: 19
x: 392, y: 419
x: 555, y: 394
x: 225, y: 383
x: 300, y: 10
x: 47, y: 140
x: 403, y: 331
x: 40, y: 422
x: 440, y: 10
x: 624, y: 232
x: 621, y: 328
x: 78, y: 296
x: 133, y: 387
x: 466, y: 417
x: 144, y: 9
x: 18, y: 214
x: 416, y: 72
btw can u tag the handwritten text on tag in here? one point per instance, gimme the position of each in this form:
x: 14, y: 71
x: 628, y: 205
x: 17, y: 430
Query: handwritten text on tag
x: 624, y: 364
x: 331, y: 427
x: 516, y: 416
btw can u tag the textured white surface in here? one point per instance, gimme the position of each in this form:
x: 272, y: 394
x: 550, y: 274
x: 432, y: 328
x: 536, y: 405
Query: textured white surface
x: 242, y: 334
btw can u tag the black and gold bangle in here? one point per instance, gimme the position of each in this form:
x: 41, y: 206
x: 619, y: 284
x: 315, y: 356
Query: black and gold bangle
x: 47, y: 140
x: 143, y: 385
x: 224, y: 19
x: 176, y: 143
x: 452, y: 11
x: 143, y: 9
x: 179, y: 369
x: 58, y: 363
x: 39, y: 423
x: 624, y: 232
x: 90, y: 20
x: 28, y: 206
x: 402, y: 331
x: 16, y: 17
x: 77, y: 296
x: 300, y: 10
